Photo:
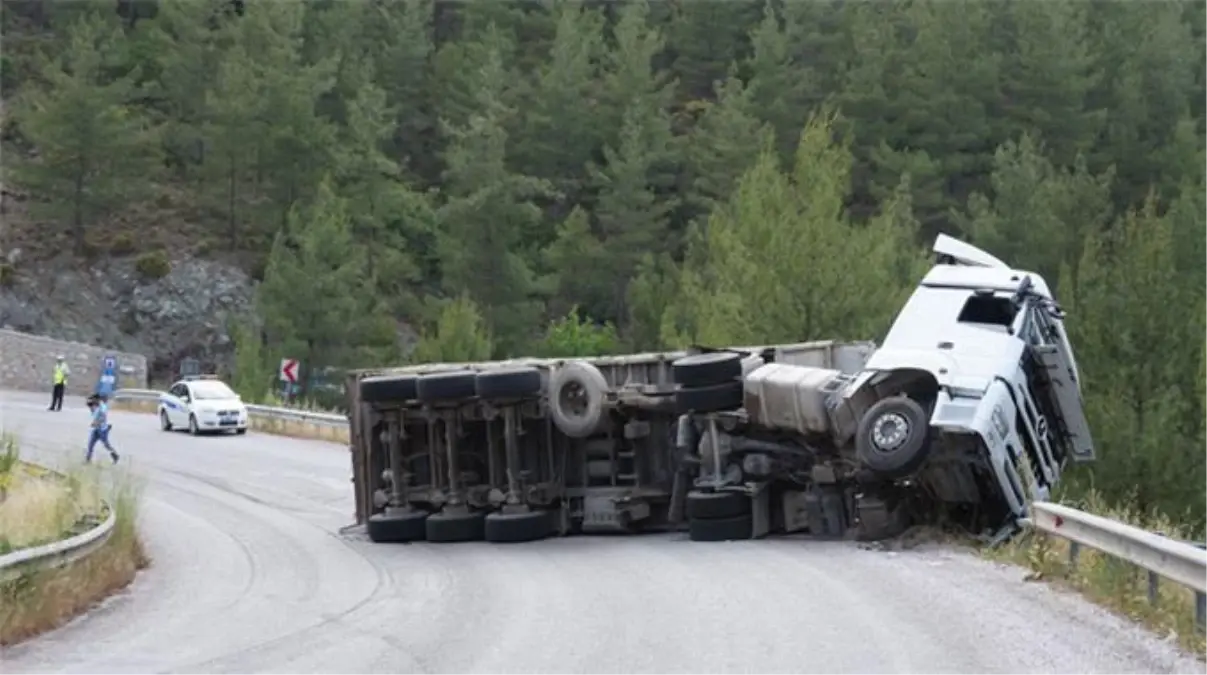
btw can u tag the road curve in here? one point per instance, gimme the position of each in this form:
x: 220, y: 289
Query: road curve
x: 251, y: 574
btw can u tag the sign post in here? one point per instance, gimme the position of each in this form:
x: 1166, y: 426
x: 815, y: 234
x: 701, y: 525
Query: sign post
x: 107, y: 381
x: 289, y: 376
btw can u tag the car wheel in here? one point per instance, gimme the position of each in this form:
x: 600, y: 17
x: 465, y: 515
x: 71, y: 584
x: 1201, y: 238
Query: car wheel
x: 193, y: 425
x: 164, y: 423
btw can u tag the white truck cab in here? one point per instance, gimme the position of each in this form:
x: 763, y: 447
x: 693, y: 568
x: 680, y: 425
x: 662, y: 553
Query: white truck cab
x: 974, y: 390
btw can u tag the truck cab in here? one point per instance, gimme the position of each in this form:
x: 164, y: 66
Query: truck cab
x: 974, y: 393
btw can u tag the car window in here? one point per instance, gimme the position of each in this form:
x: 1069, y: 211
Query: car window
x: 177, y: 391
x: 211, y: 390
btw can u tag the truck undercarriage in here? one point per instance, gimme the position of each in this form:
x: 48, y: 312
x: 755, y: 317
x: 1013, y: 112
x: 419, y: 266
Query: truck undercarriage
x: 476, y: 451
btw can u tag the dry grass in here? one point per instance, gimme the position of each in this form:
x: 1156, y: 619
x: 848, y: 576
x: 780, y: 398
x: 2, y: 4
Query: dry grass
x: 39, y: 510
x: 43, y: 600
x: 290, y: 428
x: 1106, y: 580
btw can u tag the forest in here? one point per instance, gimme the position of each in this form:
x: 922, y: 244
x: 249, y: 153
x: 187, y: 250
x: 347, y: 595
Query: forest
x: 560, y: 178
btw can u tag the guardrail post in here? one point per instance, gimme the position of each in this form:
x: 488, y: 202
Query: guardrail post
x: 1200, y: 610
x: 1153, y: 588
x: 1074, y: 552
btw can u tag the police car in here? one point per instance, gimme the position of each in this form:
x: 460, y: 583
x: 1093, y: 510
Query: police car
x: 202, y: 404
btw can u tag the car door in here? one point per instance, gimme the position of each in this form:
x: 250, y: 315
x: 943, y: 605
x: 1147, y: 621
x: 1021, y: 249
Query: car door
x: 176, y: 404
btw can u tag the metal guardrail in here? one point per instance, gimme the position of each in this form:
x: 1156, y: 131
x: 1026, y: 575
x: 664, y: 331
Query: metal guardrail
x: 57, y: 554
x: 1182, y: 562
x: 265, y: 411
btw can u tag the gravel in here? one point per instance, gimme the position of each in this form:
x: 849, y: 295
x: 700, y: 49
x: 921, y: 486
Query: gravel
x: 250, y: 574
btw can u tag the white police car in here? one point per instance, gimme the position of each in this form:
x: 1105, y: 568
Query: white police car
x: 202, y: 405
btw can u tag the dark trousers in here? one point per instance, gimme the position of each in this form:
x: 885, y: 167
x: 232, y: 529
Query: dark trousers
x: 56, y: 398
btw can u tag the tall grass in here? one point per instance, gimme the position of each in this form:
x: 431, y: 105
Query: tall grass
x: 43, y: 507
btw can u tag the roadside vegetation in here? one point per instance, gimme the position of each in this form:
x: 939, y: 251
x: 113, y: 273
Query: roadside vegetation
x: 1118, y: 585
x: 40, y: 507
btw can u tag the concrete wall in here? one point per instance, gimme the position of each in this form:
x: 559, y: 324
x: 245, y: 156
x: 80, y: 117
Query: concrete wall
x: 27, y: 362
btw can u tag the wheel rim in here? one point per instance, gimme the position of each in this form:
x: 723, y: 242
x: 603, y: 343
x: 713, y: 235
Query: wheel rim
x: 193, y: 424
x: 573, y: 399
x: 890, y: 431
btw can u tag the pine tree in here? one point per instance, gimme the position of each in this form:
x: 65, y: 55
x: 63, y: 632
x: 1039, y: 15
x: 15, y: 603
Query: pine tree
x: 316, y: 299
x: 95, y: 153
x: 1039, y: 214
x: 489, y: 223
x: 460, y: 335
x: 562, y: 125
x: 1130, y: 322
x: 774, y: 263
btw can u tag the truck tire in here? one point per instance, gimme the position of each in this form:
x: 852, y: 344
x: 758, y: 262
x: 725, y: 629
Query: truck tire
x: 721, y: 529
x: 382, y: 388
x: 509, y: 383
x: 517, y: 527
x: 399, y: 527
x: 893, y: 437
x: 576, y: 398
x: 715, y: 398
x: 704, y: 370
x: 449, y: 527
x: 703, y: 505
x: 451, y: 386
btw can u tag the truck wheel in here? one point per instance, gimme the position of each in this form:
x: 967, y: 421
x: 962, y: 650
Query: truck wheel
x: 703, y: 370
x: 893, y: 437
x: 712, y: 505
x: 381, y: 388
x: 403, y: 526
x: 452, y: 386
x: 516, y: 527
x: 718, y: 397
x: 576, y: 398
x: 509, y: 383
x: 721, y: 529
x: 446, y: 527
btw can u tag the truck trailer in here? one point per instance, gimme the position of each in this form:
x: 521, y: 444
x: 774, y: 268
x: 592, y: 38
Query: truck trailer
x: 969, y: 409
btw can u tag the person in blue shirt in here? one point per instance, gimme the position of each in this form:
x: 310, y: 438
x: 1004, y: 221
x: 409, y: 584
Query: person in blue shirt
x: 100, y: 427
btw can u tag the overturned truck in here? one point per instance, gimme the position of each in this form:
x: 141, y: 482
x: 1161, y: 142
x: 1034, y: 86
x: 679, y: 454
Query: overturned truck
x: 968, y: 410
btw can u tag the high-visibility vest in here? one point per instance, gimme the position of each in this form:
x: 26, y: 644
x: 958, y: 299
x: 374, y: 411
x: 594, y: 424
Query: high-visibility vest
x: 60, y: 374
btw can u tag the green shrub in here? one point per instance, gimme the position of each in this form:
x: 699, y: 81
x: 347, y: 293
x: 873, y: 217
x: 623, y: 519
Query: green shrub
x: 153, y: 265
x: 8, y: 275
x: 122, y: 244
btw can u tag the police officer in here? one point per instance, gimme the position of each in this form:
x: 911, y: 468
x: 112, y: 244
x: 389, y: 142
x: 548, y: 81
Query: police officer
x: 61, y: 371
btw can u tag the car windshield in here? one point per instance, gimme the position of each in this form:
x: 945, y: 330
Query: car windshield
x: 211, y: 390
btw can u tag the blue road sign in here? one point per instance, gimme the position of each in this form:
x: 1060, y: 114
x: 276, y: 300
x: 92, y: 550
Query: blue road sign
x: 107, y: 382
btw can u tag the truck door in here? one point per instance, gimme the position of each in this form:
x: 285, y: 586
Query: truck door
x: 1050, y: 367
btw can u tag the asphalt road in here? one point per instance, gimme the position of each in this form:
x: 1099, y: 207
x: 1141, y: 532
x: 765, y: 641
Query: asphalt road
x: 250, y: 574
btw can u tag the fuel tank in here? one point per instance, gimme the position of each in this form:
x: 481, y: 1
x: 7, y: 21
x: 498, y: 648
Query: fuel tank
x: 793, y: 398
